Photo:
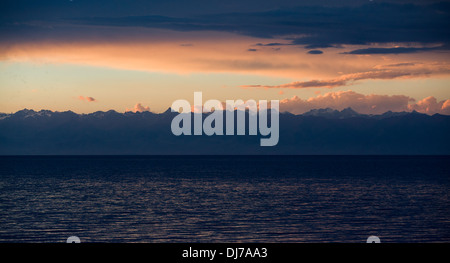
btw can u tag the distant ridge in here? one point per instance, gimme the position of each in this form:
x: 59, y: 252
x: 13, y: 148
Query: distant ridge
x: 319, y: 131
x: 326, y: 113
x: 330, y: 113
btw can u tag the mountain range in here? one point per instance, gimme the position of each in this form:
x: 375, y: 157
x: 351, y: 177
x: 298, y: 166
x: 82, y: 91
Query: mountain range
x: 319, y: 131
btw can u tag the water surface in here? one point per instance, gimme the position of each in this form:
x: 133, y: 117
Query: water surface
x: 224, y: 198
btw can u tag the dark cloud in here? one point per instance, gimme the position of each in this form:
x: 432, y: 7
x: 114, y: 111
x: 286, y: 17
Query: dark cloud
x: 318, y: 26
x: 252, y: 49
x: 32, y: 9
x: 271, y: 44
x: 395, y: 50
x: 314, y: 27
x: 315, y: 52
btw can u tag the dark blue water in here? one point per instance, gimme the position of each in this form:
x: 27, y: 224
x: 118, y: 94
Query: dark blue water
x: 225, y: 199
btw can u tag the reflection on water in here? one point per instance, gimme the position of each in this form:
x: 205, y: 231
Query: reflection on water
x: 224, y: 199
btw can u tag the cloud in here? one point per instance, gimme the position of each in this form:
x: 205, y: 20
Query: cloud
x: 309, y: 25
x: 366, y: 104
x: 430, y: 105
x: 162, y: 42
x: 394, y: 50
x: 88, y: 99
x: 379, y: 72
x: 252, y: 49
x: 211, y: 52
x: 138, y: 108
x: 315, y: 52
x: 402, y: 64
x: 271, y: 44
x: 343, y: 80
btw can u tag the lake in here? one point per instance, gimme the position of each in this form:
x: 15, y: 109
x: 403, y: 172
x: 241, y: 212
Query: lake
x: 224, y: 198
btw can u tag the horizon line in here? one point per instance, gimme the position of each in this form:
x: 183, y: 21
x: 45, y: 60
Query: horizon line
x: 192, y: 112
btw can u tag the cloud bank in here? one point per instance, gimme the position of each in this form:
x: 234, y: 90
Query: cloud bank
x: 430, y: 105
x: 366, y: 104
x: 379, y: 72
x: 138, y: 108
x: 302, y: 23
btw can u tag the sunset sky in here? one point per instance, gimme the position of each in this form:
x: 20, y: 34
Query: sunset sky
x: 87, y: 56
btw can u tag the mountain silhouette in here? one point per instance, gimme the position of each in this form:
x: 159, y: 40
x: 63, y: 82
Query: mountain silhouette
x: 334, y: 114
x: 319, y: 131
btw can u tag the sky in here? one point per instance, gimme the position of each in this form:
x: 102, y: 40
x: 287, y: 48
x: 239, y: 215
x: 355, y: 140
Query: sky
x: 87, y: 56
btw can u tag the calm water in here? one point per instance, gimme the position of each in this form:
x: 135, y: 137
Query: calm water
x: 225, y: 199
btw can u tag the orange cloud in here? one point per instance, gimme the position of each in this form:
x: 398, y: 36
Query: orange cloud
x: 138, y: 108
x: 430, y: 105
x: 366, y: 104
x: 376, y: 74
x: 216, y: 52
x: 88, y: 99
